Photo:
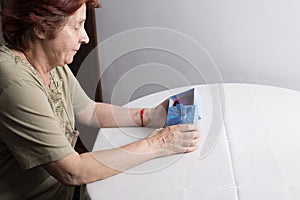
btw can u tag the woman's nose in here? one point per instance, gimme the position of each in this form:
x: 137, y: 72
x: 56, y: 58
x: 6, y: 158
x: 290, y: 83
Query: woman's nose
x: 84, y: 39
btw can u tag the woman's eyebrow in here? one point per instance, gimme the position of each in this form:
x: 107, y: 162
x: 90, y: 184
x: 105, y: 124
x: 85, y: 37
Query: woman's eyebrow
x: 81, y: 20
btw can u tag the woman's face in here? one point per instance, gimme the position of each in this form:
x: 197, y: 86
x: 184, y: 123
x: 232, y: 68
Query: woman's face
x: 67, y: 42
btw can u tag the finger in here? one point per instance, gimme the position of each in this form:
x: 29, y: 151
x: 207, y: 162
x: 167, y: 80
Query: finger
x: 188, y: 135
x: 196, y: 134
x: 196, y: 141
x: 165, y: 103
x: 187, y: 127
x: 190, y: 142
x: 191, y: 149
x: 187, y: 143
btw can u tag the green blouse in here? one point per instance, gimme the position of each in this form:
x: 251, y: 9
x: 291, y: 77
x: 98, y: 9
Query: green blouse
x: 35, y: 128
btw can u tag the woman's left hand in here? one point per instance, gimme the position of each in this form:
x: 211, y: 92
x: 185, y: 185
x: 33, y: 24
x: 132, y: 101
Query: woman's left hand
x: 156, y: 117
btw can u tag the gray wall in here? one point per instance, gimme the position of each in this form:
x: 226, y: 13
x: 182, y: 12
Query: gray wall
x: 254, y: 41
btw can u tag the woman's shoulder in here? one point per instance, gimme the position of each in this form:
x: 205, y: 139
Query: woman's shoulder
x: 12, y: 69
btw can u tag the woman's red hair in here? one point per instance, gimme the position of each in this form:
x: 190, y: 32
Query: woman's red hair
x: 19, y: 17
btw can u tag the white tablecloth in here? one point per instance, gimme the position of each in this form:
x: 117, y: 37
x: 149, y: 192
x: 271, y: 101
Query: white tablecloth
x: 249, y: 150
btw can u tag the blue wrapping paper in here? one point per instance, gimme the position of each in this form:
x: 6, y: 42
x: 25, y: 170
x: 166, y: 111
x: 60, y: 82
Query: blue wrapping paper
x: 184, y: 108
x: 181, y: 114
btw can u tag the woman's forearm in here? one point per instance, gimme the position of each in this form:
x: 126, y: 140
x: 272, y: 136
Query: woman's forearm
x: 104, y: 115
x: 80, y: 169
x: 116, y: 116
x: 123, y: 158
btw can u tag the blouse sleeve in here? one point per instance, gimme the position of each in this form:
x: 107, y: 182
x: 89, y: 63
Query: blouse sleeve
x: 80, y: 99
x: 28, y: 126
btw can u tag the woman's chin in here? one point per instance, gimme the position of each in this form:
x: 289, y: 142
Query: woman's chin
x: 69, y: 61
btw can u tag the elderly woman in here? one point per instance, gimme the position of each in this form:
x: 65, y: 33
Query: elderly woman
x: 40, y: 98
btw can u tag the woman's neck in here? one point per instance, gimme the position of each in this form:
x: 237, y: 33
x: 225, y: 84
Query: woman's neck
x: 40, y: 66
x: 37, y: 63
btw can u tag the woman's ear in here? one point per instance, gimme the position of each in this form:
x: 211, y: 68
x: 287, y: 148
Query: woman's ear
x: 39, y: 32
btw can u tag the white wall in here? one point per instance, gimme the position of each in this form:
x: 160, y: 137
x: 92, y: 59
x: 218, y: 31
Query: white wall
x: 254, y: 41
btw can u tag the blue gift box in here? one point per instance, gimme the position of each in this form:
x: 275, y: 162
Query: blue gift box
x: 184, y: 108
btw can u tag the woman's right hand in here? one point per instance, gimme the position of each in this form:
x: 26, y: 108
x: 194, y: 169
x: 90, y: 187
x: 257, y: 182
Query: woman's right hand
x: 174, y: 139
